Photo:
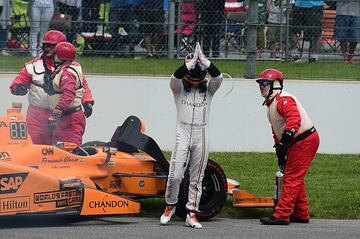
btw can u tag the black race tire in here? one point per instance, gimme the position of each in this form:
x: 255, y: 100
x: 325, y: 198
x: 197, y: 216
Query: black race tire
x: 213, y: 195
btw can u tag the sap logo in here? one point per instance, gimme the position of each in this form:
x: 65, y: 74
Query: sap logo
x: 47, y: 151
x: 10, y: 183
x: 2, y: 124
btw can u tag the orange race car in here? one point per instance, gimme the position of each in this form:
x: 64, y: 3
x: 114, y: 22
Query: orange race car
x: 91, y: 180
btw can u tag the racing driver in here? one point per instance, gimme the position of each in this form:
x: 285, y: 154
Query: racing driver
x: 296, y: 143
x: 193, y: 96
x: 31, y: 79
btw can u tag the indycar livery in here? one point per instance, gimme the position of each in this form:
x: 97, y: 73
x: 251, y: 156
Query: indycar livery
x: 94, y: 179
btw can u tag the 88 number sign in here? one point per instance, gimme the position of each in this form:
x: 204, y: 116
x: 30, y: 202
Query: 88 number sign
x: 18, y: 130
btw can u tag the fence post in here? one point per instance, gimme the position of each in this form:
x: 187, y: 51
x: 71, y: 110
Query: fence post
x: 250, y: 71
x: 288, y: 32
x: 171, y: 29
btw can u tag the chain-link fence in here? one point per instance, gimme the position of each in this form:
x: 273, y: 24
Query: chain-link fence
x: 290, y: 30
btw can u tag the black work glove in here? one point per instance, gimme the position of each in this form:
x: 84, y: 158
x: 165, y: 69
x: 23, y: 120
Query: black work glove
x: 55, y: 115
x: 88, y: 109
x: 20, y: 89
x: 282, y: 148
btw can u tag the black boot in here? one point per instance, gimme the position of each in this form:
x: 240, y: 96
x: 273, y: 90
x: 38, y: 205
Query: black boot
x: 273, y: 221
x: 298, y: 220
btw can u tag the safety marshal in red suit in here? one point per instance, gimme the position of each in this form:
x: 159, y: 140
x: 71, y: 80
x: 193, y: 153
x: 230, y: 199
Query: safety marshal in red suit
x: 66, y: 92
x: 296, y: 143
x: 31, y: 80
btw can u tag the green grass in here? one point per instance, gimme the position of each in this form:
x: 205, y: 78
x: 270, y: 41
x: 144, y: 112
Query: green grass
x: 324, y: 70
x: 332, y: 182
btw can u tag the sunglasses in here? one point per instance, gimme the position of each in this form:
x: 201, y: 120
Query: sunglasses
x: 46, y: 45
x: 264, y: 83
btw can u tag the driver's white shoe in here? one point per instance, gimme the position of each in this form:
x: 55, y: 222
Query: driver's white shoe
x: 166, y: 217
x: 191, y: 221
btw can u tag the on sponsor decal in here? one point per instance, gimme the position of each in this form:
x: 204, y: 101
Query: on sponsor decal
x: 5, y: 156
x: 60, y: 166
x: 17, y: 204
x: 47, y: 151
x: 68, y: 159
x: 194, y: 104
x: 45, y: 160
x: 10, y: 183
x: 115, y: 184
x: 109, y: 204
x: 70, y: 195
x: 71, y: 183
x: 65, y: 159
x: 69, y: 202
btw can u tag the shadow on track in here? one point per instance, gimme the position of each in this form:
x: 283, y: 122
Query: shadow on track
x: 31, y: 221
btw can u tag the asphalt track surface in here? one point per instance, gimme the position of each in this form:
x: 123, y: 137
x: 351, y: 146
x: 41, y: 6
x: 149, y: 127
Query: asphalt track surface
x: 56, y: 227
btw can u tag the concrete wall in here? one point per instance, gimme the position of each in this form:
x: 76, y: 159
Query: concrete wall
x: 237, y: 122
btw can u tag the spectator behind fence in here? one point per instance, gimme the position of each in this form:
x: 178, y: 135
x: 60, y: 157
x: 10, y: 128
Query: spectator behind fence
x: 123, y: 13
x: 5, y: 22
x: 90, y: 15
x: 235, y: 16
x: 212, y: 16
x: 276, y: 17
x: 152, y: 22
x: 260, y: 30
x: 307, y: 17
x: 71, y: 8
x: 40, y: 13
x: 330, y: 4
x: 347, y: 27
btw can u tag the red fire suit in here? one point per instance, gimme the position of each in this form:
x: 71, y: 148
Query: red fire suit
x: 32, y: 76
x: 67, y: 82
x: 285, y: 113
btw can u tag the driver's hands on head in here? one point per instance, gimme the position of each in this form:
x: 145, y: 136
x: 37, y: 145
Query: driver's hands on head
x: 204, y: 62
x: 191, y: 64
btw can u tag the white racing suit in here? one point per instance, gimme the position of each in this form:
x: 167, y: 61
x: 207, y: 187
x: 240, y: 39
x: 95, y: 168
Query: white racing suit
x: 191, y: 140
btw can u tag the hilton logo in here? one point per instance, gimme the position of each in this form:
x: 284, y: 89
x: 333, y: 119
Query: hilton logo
x: 17, y: 204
